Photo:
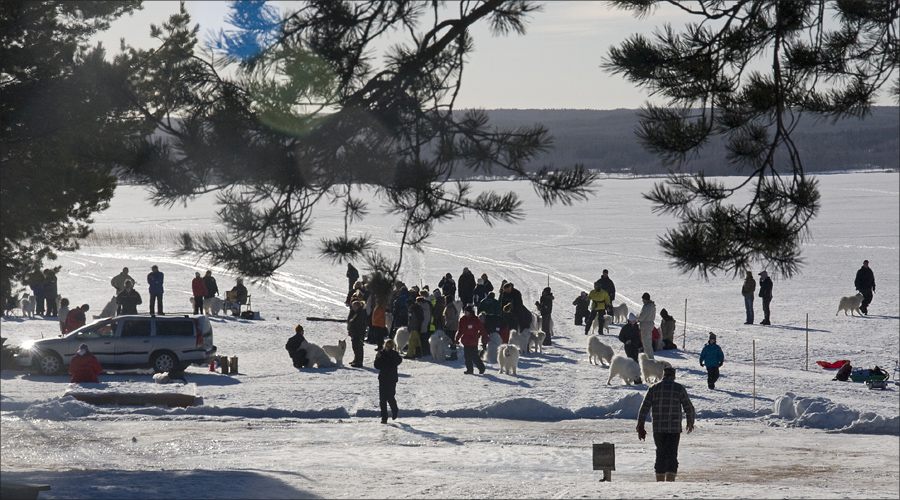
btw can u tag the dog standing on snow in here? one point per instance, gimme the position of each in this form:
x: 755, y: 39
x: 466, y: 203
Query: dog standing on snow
x: 652, y: 368
x: 851, y: 304
x: 625, y: 368
x: 109, y: 310
x: 537, y: 340
x: 607, y: 320
x: 336, y: 351
x: 598, y: 352
x: 401, y: 338
x: 508, y: 357
x: 438, y: 343
x: 490, y: 354
x: 27, y: 304
x: 520, y: 339
x: 620, y: 313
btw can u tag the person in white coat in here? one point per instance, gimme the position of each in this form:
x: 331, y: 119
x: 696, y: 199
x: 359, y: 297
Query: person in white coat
x: 646, y: 319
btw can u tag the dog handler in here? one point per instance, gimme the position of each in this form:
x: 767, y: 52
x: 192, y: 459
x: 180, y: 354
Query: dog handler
x: 666, y: 399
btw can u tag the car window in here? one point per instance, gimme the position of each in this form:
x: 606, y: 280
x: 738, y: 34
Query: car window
x: 179, y: 328
x: 136, y: 328
x: 99, y: 330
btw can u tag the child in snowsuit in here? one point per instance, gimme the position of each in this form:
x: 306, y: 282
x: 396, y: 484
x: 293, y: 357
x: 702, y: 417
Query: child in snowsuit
x: 712, y: 357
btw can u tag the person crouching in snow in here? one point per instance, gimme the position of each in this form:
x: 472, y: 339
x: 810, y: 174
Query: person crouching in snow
x: 712, y: 357
x: 296, y: 348
x: 84, y: 366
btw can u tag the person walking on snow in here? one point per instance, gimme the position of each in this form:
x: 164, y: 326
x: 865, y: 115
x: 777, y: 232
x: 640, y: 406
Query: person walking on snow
x: 387, y: 360
x: 647, y: 318
x: 470, y: 330
x: 712, y: 358
x: 865, y: 284
x: 664, y: 401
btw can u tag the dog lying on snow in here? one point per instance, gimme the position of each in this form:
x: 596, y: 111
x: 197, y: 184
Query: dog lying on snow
x: 851, y: 304
x: 652, y: 368
x: 508, y: 357
x: 598, y: 352
x: 625, y: 368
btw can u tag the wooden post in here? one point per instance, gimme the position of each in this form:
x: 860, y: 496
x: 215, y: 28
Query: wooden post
x: 605, y: 459
x: 807, y: 341
x: 754, y: 374
x: 684, y: 331
x: 234, y: 364
x: 223, y: 364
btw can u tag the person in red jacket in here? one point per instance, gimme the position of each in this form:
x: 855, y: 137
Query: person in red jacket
x: 198, y: 288
x: 470, y: 329
x: 76, y: 318
x: 84, y: 366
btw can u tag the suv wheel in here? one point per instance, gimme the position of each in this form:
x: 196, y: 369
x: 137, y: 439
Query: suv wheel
x: 48, y: 363
x: 164, y: 361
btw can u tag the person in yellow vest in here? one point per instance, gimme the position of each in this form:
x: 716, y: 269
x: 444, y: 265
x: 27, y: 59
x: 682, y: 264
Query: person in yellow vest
x: 599, y: 304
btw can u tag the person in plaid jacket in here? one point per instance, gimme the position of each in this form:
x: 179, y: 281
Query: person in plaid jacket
x: 664, y: 401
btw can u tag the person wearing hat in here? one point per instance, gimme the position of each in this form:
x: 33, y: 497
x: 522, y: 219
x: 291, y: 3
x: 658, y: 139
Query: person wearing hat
x: 118, y: 282
x: 600, y: 302
x: 712, y: 358
x: 748, y: 290
x: 607, y: 284
x: 84, y: 366
x: 76, y: 318
x: 448, y: 287
x: 465, y: 287
x: 765, y: 292
x: 198, y: 289
x: 630, y: 336
x: 155, y: 280
x: 296, y: 348
x: 470, y: 330
x: 665, y: 400
x: 865, y: 284
x: 582, y: 308
x: 647, y: 318
x: 667, y: 330
x: 545, y: 307
x: 129, y: 299
x: 481, y: 291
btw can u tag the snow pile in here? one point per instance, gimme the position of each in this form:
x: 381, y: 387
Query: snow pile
x: 822, y: 413
x: 59, y: 410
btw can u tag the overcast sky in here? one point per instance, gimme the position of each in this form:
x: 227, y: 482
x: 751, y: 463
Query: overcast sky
x: 556, y: 65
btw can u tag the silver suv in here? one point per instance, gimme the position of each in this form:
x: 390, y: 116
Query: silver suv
x: 133, y: 341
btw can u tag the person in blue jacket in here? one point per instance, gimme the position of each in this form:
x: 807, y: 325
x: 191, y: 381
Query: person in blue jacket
x: 712, y: 357
x: 155, y: 280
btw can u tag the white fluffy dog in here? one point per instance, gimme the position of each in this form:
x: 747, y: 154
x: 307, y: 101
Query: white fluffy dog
x: 851, y: 304
x: 27, y: 304
x: 537, y: 341
x: 438, y: 343
x: 401, y: 338
x: 508, y: 357
x: 607, y: 320
x: 626, y: 368
x: 109, y: 310
x: 490, y: 354
x: 211, y: 305
x: 652, y: 368
x: 520, y: 339
x: 598, y: 352
x: 620, y: 313
x: 336, y: 351
x: 317, y: 356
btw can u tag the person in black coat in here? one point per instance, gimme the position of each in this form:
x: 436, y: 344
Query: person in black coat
x: 356, y: 328
x: 296, y: 348
x: 582, y: 308
x: 630, y: 335
x: 465, y: 287
x: 386, y: 362
x: 765, y: 292
x: 212, y: 288
x: 545, y: 307
x: 610, y: 288
x: 50, y: 292
x: 129, y: 299
x: 865, y: 284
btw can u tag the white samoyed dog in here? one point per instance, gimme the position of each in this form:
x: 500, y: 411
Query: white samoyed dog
x: 652, y: 368
x: 109, y: 310
x: 401, y: 338
x: 490, y: 354
x: 438, y: 343
x: 508, y: 357
x: 317, y: 356
x: 520, y: 339
x: 27, y: 304
x: 607, y: 320
x: 620, y: 313
x: 626, y: 368
x: 598, y: 352
x: 336, y: 351
x: 851, y: 304
x: 212, y: 305
x: 537, y: 341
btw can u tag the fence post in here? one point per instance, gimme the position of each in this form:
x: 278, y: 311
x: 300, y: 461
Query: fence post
x: 684, y: 331
x: 754, y: 374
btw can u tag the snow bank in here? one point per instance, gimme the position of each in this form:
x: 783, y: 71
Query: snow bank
x: 822, y: 413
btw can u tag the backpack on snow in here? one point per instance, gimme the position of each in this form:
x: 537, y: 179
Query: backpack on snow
x: 843, y: 374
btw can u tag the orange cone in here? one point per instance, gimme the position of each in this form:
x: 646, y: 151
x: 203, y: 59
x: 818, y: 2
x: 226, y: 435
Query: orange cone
x: 212, y: 365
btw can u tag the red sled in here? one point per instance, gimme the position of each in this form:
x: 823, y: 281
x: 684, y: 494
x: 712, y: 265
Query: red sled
x: 833, y: 366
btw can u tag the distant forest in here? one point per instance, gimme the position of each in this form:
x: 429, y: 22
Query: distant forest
x: 605, y: 140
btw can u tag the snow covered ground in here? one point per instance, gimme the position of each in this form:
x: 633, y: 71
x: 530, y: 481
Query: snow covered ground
x: 776, y: 427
